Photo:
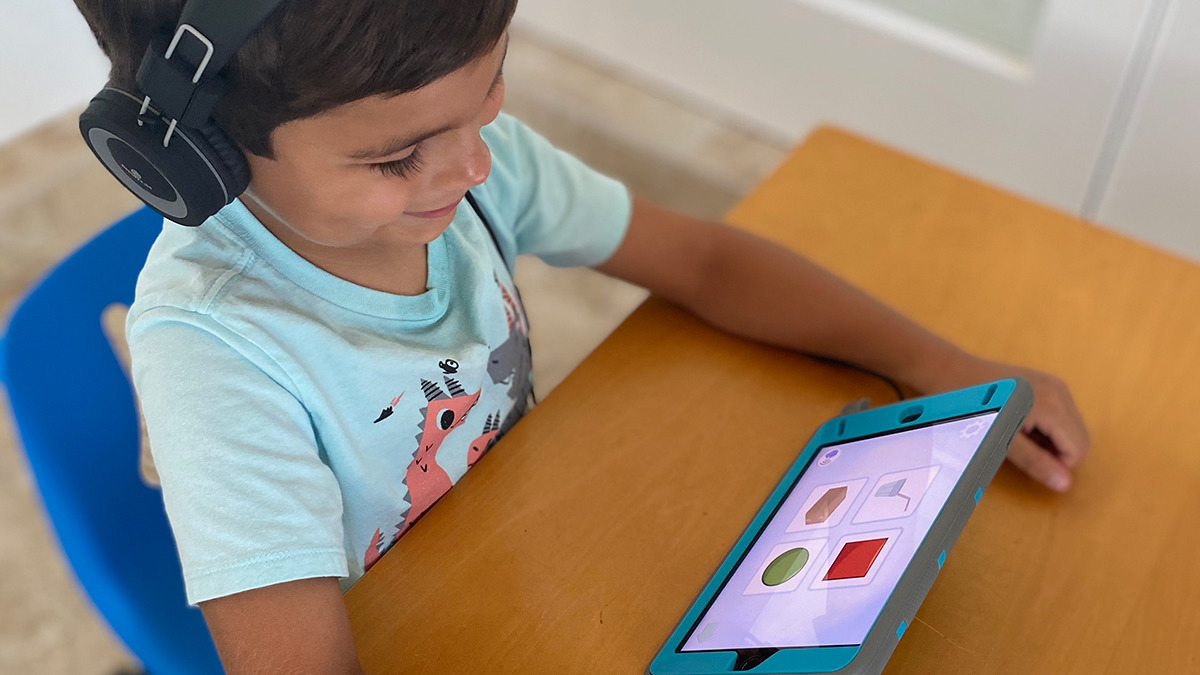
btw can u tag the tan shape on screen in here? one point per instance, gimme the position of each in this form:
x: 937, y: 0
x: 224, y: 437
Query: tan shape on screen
x: 825, y: 506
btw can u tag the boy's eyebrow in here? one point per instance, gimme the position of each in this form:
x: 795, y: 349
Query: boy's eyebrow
x: 397, y: 144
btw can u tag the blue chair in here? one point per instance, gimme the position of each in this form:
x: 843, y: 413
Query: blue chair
x: 75, y: 415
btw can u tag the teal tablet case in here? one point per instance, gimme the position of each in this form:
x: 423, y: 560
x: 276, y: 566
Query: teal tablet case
x: 1013, y: 398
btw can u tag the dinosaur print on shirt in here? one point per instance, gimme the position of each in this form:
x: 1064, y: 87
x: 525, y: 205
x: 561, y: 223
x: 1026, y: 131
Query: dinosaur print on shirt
x: 425, y: 479
x: 491, y: 428
x: 511, y: 362
x: 507, y: 373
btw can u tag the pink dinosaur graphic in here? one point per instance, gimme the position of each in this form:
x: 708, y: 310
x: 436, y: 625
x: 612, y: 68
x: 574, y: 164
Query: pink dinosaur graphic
x: 426, y: 480
x: 491, y: 427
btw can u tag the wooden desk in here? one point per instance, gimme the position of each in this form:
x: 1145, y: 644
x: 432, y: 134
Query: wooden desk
x: 580, y: 540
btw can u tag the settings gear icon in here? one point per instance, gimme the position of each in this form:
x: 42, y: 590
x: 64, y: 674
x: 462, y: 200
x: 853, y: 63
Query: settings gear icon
x: 972, y: 429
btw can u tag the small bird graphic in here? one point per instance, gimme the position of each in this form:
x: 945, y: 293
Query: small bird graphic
x: 387, y: 412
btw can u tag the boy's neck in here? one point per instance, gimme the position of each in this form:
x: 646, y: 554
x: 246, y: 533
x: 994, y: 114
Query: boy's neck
x: 400, y: 271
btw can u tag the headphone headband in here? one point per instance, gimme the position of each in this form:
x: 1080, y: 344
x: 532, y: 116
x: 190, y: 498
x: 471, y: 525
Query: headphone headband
x: 209, y: 33
x: 179, y: 82
x: 227, y: 24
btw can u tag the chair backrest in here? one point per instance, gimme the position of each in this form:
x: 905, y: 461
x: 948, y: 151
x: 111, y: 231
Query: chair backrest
x: 75, y: 415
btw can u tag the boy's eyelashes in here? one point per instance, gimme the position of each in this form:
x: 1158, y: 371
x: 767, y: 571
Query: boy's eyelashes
x: 411, y: 165
x: 402, y: 168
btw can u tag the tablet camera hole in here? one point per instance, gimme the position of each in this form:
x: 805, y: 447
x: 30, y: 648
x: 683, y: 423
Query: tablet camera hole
x: 749, y: 658
x: 911, y: 414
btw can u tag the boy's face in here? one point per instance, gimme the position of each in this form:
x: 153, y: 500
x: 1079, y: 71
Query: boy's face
x: 379, y: 173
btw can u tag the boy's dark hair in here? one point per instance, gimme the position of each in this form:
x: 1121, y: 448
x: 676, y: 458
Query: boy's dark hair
x: 313, y: 55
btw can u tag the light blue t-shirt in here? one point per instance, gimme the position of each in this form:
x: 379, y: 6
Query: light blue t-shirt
x: 300, y: 423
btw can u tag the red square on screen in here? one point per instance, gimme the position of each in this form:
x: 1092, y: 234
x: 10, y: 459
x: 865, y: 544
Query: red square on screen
x: 855, y: 559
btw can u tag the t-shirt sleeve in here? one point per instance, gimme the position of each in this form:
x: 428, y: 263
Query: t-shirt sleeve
x: 248, y: 497
x: 557, y: 207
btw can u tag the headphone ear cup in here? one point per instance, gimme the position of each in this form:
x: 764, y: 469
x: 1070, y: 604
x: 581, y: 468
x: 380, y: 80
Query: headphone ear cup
x: 226, y: 156
x: 186, y: 181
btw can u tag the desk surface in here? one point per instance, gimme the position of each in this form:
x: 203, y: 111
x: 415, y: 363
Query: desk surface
x: 580, y: 540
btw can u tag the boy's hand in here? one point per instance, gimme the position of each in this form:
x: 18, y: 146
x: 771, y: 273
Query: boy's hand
x: 1053, y: 438
x: 760, y: 290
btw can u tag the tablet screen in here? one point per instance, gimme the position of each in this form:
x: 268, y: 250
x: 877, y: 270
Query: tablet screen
x: 821, y: 570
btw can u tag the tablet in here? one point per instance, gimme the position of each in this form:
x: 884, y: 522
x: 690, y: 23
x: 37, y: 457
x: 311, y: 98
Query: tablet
x: 831, y: 570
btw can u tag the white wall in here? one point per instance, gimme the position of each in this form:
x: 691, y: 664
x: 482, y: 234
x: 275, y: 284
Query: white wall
x: 1053, y: 127
x: 49, y: 63
x: 1043, y: 126
x: 1034, y: 127
x: 1155, y: 182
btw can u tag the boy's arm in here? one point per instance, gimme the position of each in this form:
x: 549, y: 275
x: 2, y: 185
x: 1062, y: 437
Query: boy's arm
x: 757, y: 289
x: 293, y: 627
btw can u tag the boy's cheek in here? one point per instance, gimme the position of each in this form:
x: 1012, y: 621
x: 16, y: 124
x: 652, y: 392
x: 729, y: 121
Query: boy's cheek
x: 330, y: 208
x: 366, y: 197
x: 382, y: 205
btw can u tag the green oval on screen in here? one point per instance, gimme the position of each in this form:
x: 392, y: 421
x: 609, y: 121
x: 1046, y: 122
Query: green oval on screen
x: 786, y: 566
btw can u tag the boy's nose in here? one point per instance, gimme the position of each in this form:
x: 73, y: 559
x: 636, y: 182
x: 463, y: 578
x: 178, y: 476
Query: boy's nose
x: 472, y: 168
x: 479, y: 162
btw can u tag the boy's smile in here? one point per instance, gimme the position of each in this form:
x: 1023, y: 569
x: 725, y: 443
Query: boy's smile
x: 436, y: 213
x: 360, y: 189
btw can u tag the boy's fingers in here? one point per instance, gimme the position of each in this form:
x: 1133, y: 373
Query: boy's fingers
x: 1077, y: 418
x: 1064, y: 436
x: 1058, y: 422
x: 1039, y: 464
x: 1070, y: 425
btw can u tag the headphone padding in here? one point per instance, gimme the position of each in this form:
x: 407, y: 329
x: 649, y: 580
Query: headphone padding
x: 224, y: 152
x: 187, y: 180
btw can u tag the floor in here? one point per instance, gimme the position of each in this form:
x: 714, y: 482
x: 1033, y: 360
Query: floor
x: 54, y: 196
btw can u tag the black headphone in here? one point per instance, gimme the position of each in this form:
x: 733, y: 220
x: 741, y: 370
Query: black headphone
x: 161, y: 141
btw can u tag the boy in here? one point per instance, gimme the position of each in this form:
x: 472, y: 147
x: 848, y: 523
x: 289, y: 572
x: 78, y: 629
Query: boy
x: 321, y: 360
